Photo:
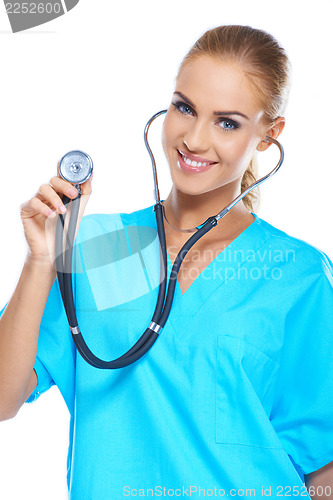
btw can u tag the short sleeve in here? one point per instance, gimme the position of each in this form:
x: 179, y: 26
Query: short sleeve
x: 302, y: 413
x: 55, y: 359
x: 44, y: 381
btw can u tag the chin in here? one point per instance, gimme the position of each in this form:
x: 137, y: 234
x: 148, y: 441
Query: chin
x: 191, y: 188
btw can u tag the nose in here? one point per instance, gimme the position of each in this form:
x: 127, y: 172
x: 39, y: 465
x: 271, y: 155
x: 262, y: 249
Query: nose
x: 197, y: 138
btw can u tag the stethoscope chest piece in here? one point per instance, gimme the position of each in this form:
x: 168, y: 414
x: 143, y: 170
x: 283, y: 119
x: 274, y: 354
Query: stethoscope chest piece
x: 76, y: 167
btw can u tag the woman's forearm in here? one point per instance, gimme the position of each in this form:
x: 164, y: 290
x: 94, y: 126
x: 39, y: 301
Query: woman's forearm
x: 19, y: 329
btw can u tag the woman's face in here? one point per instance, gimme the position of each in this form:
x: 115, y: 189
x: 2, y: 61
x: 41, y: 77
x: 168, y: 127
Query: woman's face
x: 212, y: 127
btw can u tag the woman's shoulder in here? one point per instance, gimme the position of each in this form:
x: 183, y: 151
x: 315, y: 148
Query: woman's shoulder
x: 302, y: 253
x: 282, y: 246
x: 98, y: 224
x: 127, y: 217
x: 140, y: 216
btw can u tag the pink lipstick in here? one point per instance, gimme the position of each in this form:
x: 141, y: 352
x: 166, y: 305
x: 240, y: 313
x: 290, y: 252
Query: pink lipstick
x: 193, y: 164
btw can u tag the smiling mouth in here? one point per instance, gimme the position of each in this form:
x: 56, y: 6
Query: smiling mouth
x: 194, y: 163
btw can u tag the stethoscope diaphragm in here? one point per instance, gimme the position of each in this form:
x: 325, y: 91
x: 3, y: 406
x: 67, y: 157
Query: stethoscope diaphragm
x: 76, y: 167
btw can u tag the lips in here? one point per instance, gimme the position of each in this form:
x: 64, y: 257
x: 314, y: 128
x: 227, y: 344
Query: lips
x: 195, y: 159
x: 191, y: 163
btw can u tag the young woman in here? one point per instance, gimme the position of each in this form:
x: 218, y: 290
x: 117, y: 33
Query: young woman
x: 235, y: 396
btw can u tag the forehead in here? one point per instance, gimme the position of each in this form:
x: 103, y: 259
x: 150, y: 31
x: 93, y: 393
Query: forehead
x: 217, y: 86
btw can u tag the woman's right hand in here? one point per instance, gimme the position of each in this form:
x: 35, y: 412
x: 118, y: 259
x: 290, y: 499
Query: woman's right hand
x: 39, y: 216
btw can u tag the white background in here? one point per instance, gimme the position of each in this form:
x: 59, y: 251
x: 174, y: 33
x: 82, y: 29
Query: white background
x: 90, y: 80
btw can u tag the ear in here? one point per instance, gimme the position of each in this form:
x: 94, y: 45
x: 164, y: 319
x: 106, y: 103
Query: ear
x: 274, y: 132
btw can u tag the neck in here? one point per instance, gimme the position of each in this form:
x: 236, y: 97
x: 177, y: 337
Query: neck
x: 186, y: 211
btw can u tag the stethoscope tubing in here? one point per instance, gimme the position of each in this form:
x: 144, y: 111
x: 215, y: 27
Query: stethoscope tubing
x: 165, y: 294
x: 65, y: 283
x: 160, y: 316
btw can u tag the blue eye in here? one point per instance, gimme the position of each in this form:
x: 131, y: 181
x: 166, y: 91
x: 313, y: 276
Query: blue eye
x: 183, y: 108
x: 227, y: 124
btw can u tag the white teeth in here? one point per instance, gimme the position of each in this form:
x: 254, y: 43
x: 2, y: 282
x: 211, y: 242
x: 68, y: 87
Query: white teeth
x: 193, y: 163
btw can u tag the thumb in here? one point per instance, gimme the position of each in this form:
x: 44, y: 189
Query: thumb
x: 86, y: 187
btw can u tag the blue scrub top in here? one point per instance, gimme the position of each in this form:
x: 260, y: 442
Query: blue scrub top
x: 235, y: 398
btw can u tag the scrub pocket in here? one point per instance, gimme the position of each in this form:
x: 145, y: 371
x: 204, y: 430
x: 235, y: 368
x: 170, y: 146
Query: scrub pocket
x: 244, y: 374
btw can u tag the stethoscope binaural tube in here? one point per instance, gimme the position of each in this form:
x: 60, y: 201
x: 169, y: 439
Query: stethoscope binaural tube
x: 163, y: 305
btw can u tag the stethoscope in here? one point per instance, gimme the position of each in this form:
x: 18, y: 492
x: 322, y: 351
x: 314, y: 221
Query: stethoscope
x: 76, y: 167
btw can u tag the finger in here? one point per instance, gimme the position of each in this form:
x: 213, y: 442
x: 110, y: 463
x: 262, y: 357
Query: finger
x: 86, y: 187
x: 34, y: 207
x: 52, y: 197
x: 68, y: 189
x: 63, y: 187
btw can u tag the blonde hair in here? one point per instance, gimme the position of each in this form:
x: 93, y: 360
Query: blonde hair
x: 267, y: 66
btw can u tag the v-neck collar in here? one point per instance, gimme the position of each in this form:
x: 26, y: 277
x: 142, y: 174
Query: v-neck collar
x: 226, y: 263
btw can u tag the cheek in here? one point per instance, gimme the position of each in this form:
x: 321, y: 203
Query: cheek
x: 167, y: 132
x: 236, y: 148
x: 173, y: 129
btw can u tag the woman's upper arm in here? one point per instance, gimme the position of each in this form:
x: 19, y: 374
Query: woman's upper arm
x: 32, y: 384
x: 323, y: 478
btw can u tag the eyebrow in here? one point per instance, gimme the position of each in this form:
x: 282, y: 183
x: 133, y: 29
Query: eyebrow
x: 217, y: 113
